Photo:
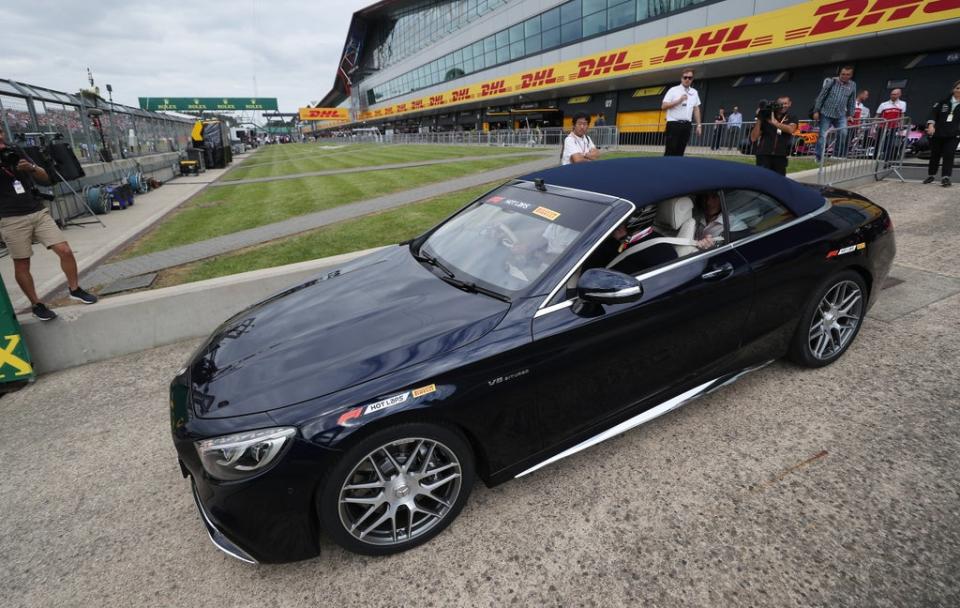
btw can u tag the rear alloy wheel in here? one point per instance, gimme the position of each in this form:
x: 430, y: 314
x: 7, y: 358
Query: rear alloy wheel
x: 831, y: 322
x: 397, y: 489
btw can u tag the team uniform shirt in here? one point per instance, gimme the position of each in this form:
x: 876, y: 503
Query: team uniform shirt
x: 892, y: 111
x: 575, y: 145
x: 860, y: 112
x: 683, y: 111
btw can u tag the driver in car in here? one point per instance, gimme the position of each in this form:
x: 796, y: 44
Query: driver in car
x: 709, y: 216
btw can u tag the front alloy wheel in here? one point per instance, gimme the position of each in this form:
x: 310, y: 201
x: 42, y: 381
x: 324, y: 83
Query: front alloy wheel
x: 402, y: 488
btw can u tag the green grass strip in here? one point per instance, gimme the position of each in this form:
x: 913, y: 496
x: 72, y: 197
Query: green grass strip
x: 308, y: 158
x: 229, y: 209
x: 353, y: 235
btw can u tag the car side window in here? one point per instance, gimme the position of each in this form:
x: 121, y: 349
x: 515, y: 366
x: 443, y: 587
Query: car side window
x: 753, y: 212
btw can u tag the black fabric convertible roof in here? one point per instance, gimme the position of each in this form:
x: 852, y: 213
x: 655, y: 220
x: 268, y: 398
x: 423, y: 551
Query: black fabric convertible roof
x: 649, y: 180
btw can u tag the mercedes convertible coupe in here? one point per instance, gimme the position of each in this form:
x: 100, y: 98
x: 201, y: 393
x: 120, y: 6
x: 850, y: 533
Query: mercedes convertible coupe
x: 556, y: 311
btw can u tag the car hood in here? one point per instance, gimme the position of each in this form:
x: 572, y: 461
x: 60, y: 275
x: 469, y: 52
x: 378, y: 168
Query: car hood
x: 379, y: 314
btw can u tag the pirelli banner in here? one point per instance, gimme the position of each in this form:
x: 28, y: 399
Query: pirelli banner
x: 793, y: 26
x: 325, y: 114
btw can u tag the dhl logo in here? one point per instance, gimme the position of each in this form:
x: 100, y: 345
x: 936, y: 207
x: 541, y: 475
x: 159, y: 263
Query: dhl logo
x: 537, y: 79
x: 417, y: 104
x: 493, y: 88
x: 324, y: 114
x: 401, y: 107
x: 613, y: 62
x: 461, y: 94
x: 388, y: 110
x: 436, y: 100
x: 708, y: 43
x: 838, y: 16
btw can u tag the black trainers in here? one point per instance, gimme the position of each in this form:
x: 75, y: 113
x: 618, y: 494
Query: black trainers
x: 43, y: 313
x: 929, y: 179
x: 945, y: 182
x: 83, y: 296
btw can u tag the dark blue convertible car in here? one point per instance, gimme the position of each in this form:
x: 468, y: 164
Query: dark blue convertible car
x: 556, y: 311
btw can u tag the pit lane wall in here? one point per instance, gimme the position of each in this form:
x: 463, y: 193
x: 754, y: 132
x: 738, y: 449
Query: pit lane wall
x: 793, y: 27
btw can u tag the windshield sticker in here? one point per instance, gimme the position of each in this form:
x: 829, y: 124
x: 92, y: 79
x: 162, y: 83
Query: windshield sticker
x: 424, y: 390
x: 385, y: 403
x: 494, y: 199
x: 549, y: 214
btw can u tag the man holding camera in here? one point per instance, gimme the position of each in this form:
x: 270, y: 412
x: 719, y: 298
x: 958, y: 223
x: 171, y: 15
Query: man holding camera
x: 773, y: 134
x: 23, y: 218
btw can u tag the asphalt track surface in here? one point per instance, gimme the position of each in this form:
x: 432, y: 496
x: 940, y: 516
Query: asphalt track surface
x: 831, y: 487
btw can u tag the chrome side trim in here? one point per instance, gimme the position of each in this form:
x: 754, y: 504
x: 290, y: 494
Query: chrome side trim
x: 215, y: 535
x: 647, y: 416
x: 679, y: 263
x: 626, y: 425
x: 554, y: 308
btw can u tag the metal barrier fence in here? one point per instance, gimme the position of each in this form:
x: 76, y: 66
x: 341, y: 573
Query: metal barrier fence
x: 127, y: 132
x: 874, y: 147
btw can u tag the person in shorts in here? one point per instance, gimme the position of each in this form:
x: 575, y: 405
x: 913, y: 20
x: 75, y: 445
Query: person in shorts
x: 25, y: 218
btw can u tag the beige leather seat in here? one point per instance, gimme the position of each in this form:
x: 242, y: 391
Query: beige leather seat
x: 675, y: 219
x: 675, y: 222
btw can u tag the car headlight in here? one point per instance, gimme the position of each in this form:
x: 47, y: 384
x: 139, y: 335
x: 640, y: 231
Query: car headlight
x: 243, y: 454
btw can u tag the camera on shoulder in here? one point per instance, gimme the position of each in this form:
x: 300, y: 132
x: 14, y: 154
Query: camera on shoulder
x: 9, y: 157
x: 766, y: 108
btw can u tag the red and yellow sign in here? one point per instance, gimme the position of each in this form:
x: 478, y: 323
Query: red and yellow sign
x: 808, y: 22
x: 324, y: 114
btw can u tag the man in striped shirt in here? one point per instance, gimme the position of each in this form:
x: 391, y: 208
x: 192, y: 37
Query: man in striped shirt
x: 836, y: 101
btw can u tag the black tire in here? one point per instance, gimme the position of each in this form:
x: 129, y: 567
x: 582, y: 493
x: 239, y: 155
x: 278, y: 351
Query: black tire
x: 396, y: 489
x: 806, y: 348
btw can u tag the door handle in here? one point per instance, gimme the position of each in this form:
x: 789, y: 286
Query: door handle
x: 718, y: 272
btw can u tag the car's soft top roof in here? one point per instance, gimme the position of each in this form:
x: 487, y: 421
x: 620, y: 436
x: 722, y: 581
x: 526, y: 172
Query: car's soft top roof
x: 649, y: 180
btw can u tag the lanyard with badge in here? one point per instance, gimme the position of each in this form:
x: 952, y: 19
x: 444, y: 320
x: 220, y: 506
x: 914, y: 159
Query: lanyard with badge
x: 17, y: 184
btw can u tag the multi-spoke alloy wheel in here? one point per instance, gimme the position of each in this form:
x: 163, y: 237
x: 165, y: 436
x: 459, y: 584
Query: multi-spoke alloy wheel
x: 398, y: 491
x: 837, y: 319
x: 831, y: 321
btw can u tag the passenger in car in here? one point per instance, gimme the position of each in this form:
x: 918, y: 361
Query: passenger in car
x: 709, y: 216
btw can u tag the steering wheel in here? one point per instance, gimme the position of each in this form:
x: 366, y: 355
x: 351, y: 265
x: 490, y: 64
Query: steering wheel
x: 510, y: 239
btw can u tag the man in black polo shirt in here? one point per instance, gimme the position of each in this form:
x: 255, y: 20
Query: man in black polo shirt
x: 23, y: 218
x: 774, y: 137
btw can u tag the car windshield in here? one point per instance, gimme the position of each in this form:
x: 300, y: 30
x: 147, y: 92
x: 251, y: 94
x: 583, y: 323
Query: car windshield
x: 509, y: 238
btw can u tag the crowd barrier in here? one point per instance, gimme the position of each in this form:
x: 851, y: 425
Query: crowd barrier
x: 873, y: 147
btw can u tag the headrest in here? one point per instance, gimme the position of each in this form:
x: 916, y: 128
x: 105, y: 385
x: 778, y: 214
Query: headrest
x: 675, y: 211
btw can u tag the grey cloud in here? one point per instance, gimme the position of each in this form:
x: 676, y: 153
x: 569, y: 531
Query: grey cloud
x: 180, y: 48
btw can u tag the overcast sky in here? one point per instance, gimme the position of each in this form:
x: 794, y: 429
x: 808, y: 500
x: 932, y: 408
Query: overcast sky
x: 176, y: 48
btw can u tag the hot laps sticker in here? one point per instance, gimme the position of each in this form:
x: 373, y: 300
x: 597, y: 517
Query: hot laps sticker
x: 549, y: 214
x: 385, y: 403
x: 424, y: 390
x: 846, y: 250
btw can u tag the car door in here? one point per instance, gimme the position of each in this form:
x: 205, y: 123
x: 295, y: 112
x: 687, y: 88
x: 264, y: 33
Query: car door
x: 776, y: 245
x: 601, y: 363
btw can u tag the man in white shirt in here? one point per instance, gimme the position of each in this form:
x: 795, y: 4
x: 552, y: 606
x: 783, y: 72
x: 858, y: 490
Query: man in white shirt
x: 578, y: 147
x: 890, y: 138
x: 682, y: 104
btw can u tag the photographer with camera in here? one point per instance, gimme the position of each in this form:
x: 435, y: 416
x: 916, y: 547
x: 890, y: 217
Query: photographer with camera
x: 23, y: 218
x: 773, y: 134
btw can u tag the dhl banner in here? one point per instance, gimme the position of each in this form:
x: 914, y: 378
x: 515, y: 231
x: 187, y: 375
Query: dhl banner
x: 793, y: 26
x: 324, y: 114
